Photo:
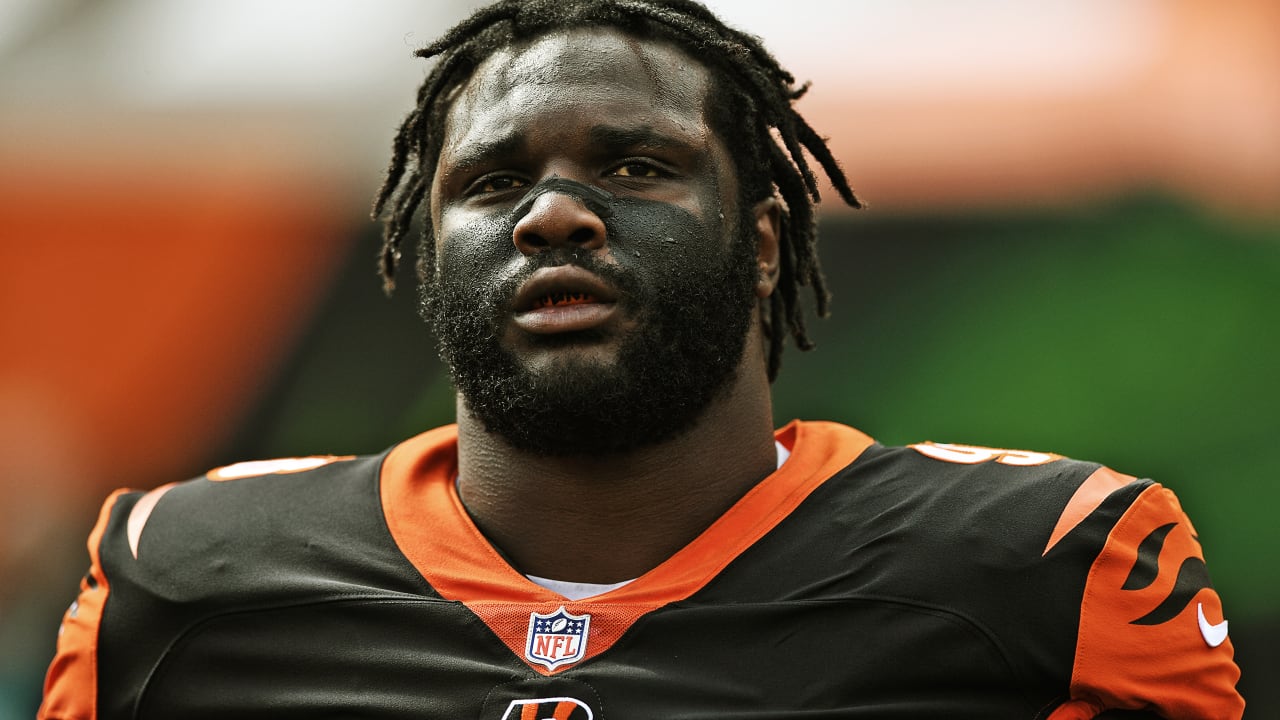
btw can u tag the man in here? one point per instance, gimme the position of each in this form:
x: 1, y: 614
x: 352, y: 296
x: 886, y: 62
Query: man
x: 614, y: 242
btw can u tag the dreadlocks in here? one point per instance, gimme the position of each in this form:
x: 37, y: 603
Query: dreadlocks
x: 750, y: 107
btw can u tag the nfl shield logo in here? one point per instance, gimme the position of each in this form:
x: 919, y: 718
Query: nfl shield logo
x: 557, y: 639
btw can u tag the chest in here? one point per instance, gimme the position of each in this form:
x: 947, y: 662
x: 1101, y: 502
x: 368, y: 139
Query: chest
x: 397, y: 658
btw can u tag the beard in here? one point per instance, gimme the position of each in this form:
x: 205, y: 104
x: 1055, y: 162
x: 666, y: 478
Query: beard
x: 692, y: 309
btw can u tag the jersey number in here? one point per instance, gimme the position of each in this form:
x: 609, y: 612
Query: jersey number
x: 972, y: 454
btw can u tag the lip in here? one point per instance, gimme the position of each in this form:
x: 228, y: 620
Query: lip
x: 552, y: 319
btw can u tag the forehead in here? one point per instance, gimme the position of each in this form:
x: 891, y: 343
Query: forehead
x: 596, y: 72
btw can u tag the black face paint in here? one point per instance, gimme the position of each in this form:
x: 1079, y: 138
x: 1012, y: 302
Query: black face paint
x: 632, y: 225
x: 594, y: 199
x: 690, y: 290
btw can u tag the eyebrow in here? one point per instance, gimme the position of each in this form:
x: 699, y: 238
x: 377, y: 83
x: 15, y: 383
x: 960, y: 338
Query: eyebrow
x: 613, y: 137
x: 480, y: 152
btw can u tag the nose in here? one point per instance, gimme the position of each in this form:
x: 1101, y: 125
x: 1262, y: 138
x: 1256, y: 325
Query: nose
x: 558, y: 219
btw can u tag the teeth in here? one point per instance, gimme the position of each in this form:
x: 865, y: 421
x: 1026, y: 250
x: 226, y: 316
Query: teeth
x: 563, y: 298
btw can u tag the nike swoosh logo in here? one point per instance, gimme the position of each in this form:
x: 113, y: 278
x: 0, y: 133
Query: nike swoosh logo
x: 1212, y: 634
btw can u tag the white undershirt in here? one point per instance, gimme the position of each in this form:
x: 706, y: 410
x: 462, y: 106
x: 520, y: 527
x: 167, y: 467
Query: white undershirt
x: 581, y: 591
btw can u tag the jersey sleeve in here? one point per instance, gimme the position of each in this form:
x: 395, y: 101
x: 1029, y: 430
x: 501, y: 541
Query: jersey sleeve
x: 71, y: 685
x: 1152, y: 634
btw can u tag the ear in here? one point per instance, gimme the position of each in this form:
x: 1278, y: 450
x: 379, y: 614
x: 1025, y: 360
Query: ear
x: 768, y: 216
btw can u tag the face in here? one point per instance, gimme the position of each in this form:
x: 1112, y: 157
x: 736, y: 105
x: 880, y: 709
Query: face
x: 593, y: 280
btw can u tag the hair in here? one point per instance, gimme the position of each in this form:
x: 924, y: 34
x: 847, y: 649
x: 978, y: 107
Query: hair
x: 750, y: 107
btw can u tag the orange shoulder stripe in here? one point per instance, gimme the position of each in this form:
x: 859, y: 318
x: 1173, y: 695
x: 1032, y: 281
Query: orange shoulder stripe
x: 1152, y: 632
x: 71, y: 685
x: 1085, y: 500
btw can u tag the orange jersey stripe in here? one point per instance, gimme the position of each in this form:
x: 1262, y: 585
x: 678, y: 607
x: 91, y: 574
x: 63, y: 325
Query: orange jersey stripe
x: 71, y: 686
x: 1148, y: 589
x: 1086, y: 499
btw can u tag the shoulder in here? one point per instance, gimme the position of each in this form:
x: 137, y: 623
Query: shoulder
x: 937, y: 493
x: 164, y: 560
x: 259, y: 527
x: 1102, y: 568
x: 1030, y: 499
x: 187, y: 538
x: 246, y: 495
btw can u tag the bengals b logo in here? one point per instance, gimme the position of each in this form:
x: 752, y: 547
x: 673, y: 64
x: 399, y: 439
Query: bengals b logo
x: 558, y: 708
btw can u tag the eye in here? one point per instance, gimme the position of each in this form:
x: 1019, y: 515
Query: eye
x: 496, y: 183
x: 638, y: 169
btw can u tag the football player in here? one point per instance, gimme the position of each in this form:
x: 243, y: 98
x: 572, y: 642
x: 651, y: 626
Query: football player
x: 618, y: 232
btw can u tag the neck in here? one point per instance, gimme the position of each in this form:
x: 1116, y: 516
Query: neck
x: 608, y: 519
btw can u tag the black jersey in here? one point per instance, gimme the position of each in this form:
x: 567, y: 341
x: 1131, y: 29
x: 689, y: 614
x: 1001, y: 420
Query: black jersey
x: 857, y: 581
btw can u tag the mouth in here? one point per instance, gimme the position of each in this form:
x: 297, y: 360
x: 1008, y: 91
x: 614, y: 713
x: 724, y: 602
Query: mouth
x: 563, y: 299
